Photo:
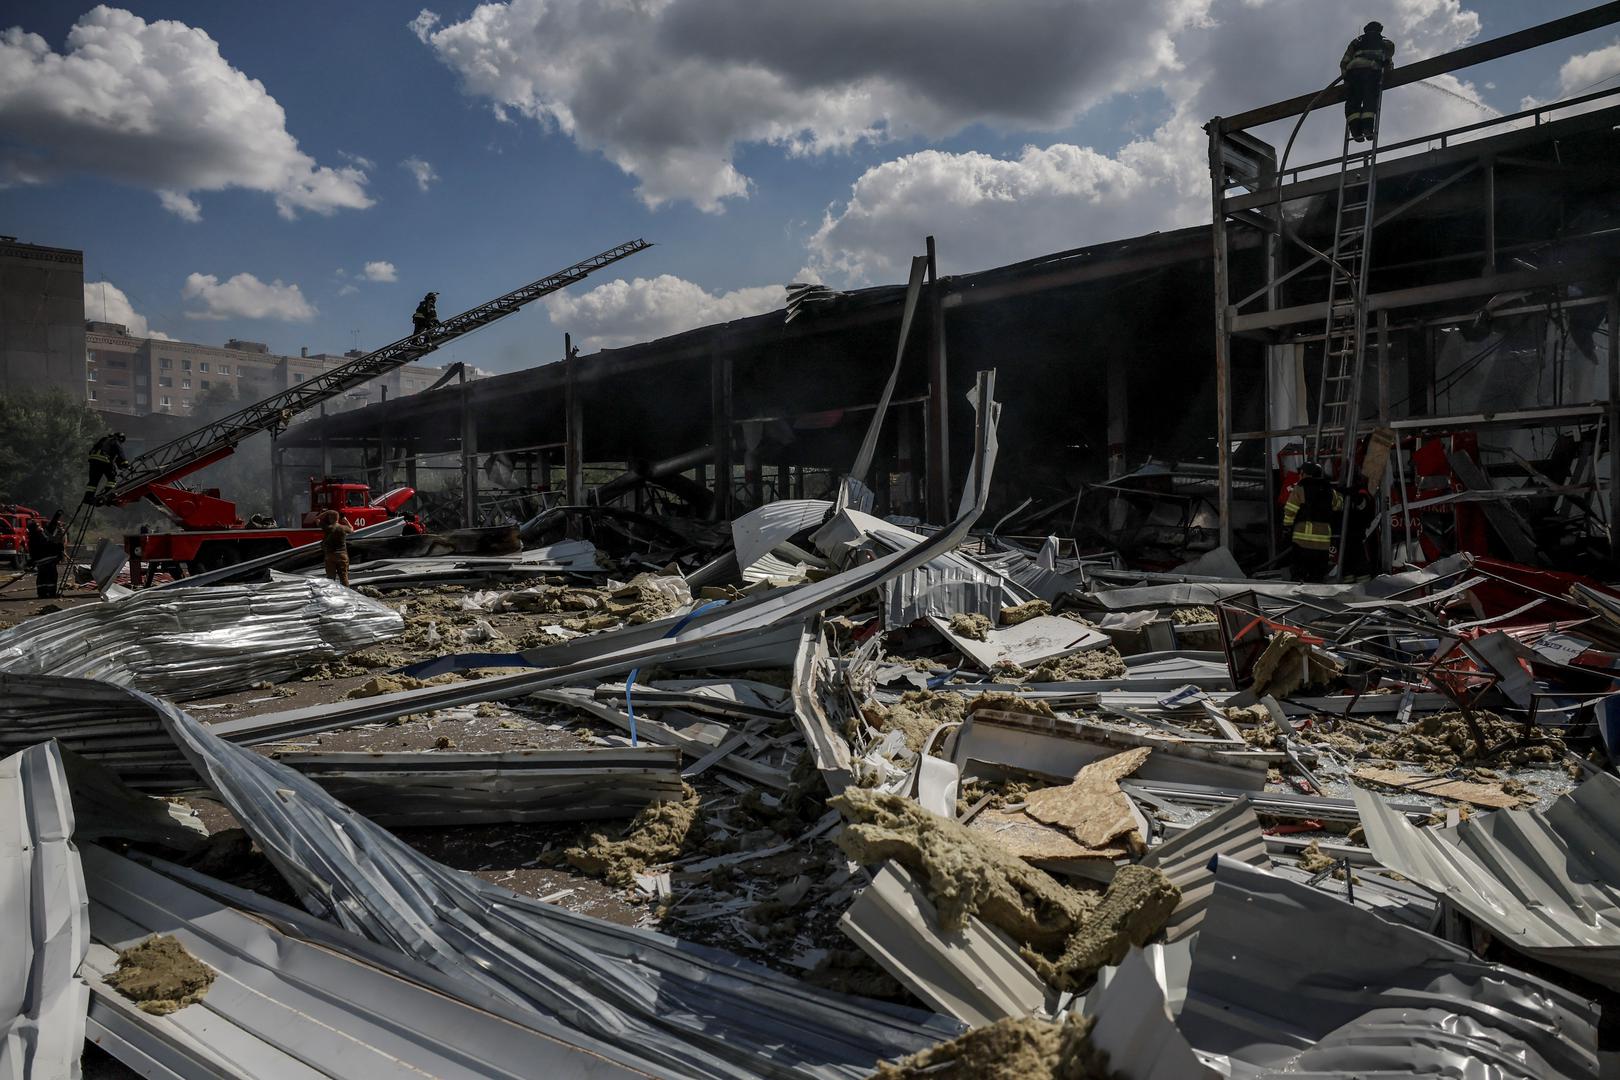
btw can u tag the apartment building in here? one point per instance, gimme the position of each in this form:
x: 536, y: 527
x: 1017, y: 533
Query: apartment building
x: 136, y: 376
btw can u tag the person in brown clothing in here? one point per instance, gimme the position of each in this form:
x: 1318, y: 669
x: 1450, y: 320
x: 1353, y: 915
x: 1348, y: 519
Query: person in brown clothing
x: 335, y: 545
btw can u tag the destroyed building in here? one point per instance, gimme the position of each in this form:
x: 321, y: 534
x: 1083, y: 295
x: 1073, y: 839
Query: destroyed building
x: 901, y: 684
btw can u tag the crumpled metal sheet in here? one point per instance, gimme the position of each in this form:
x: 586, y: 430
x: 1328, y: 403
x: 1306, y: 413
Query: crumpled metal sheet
x: 290, y: 1003
x: 1288, y: 981
x: 1232, y: 832
x: 949, y: 583
x: 440, y: 788
x: 670, y: 1007
x: 1134, y: 1027
x: 189, y: 643
x: 757, y: 532
x: 1545, y: 882
x: 44, y: 921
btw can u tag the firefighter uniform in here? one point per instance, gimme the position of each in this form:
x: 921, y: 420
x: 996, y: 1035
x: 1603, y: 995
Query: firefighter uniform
x: 1312, y: 507
x: 426, y: 316
x: 1363, y: 66
x: 106, y: 459
x: 335, y: 546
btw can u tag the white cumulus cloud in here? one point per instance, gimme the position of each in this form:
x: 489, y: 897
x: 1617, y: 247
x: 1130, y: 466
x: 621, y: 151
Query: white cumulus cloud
x: 155, y: 105
x: 245, y: 297
x: 421, y: 171
x: 987, y: 210
x: 670, y: 91
x: 623, y: 312
x: 381, y: 270
x: 106, y: 302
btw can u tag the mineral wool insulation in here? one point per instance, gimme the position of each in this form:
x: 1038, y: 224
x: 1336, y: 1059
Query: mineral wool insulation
x: 188, y: 643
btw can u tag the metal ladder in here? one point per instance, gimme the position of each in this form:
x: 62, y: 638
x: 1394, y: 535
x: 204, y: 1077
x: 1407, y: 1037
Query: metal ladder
x: 1344, y: 347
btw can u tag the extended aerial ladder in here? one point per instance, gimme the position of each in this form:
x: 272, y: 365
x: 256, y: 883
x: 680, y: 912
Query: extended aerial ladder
x: 1344, y: 348
x: 152, y: 473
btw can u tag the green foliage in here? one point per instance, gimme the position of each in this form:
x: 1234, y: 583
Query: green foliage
x: 45, y: 439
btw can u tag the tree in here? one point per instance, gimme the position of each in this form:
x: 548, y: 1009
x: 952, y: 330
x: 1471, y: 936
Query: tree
x: 45, y: 439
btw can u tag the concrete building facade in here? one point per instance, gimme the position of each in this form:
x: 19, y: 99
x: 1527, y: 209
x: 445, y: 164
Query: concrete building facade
x: 134, y: 376
x: 42, y: 335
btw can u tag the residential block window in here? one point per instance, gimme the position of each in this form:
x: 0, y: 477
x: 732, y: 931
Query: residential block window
x: 114, y: 362
x: 165, y: 362
x: 224, y: 369
x: 185, y: 365
x: 203, y: 366
x: 165, y: 380
x: 164, y: 403
x: 90, y: 374
x: 140, y: 380
x: 92, y: 395
x: 185, y: 384
x: 140, y: 399
x: 205, y: 384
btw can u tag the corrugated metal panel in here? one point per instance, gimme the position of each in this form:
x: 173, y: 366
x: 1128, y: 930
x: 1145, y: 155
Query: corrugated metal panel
x: 758, y: 531
x: 974, y: 974
x: 439, y: 788
x: 1545, y: 882
x: 44, y: 929
x: 1133, y: 1025
x: 284, y: 1007
x: 680, y: 1008
x: 1288, y: 980
x: 1232, y: 832
x: 189, y: 643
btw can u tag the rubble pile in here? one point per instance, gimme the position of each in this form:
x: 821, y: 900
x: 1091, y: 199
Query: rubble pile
x: 967, y: 809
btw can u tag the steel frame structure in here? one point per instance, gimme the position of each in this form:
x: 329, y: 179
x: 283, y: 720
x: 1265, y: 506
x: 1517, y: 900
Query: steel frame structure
x: 1251, y: 194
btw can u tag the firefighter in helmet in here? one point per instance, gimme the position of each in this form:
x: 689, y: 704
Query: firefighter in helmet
x: 1312, y: 507
x: 1363, y: 66
x: 427, y: 314
x: 106, y: 461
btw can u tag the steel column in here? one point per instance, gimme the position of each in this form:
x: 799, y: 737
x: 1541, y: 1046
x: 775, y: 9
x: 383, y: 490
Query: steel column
x: 1614, y: 422
x: 1223, y: 339
x: 939, y: 411
x: 469, y: 456
x: 573, y: 425
x: 721, y: 433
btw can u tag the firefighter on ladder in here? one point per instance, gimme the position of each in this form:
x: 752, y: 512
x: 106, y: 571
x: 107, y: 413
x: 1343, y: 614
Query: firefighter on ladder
x: 426, y: 316
x: 106, y: 460
x: 1312, y: 507
x: 1363, y: 67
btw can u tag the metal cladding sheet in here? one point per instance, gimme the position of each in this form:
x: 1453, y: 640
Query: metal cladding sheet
x: 1287, y: 980
x: 189, y: 643
x: 758, y: 531
x: 282, y: 1005
x: 445, y: 788
x: 44, y: 925
x: 667, y: 1006
x: 1545, y: 882
x: 1232, y: 832
x: 1134, y: 1028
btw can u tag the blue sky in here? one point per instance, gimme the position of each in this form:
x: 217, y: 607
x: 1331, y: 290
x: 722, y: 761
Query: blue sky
x: 770, y: 152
